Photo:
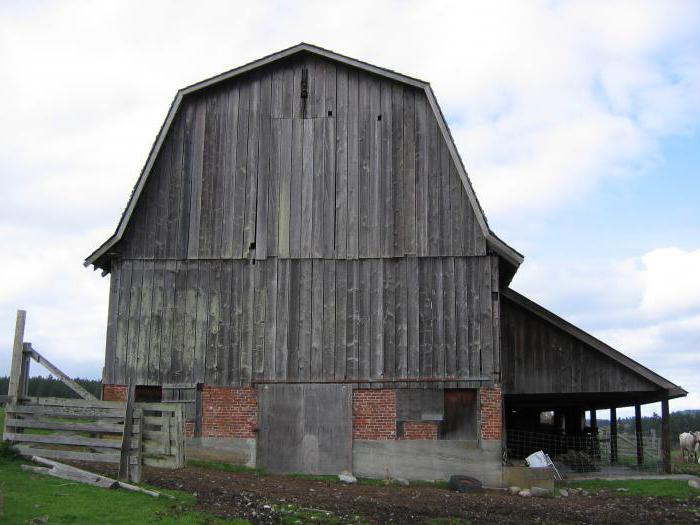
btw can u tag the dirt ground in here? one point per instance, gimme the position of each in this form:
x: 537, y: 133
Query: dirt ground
x: 261, y: 499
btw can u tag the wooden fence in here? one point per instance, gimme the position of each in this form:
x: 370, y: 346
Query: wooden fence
x: 128, y: 433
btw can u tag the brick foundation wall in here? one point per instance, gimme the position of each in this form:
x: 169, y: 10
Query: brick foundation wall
x: 229, y: 412
x: 420, y: 430
x: 114, y: 392
x: 491, y: 412
x: 374, y: 414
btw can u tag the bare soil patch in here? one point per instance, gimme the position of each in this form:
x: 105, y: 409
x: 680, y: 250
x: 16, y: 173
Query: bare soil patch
x: 262, y: 498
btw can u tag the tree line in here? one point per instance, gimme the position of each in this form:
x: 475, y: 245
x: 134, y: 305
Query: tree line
x: 681, y: 421
x: 51, y: 387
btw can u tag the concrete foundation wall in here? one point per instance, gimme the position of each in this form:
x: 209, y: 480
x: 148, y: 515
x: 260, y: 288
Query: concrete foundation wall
x: 237, y: 451
x: 428, y: 460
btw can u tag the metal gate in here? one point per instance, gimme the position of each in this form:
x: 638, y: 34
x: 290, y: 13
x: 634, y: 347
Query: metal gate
x: 305, y: 428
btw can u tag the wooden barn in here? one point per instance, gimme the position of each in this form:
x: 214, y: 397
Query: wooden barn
x: 304, y: 264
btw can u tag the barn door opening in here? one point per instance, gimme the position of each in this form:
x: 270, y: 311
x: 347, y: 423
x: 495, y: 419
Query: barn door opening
x: 305, y: 428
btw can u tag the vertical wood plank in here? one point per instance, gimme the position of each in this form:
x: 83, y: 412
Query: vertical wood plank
x: 377, y: 318
x: 238, y: 277
x: 285, y: 174
x: 112, y: 322
x: 240, y: 187
x: 134, y: 320
x: 197, y: 154
x: 307, y: 189
x: 273, y: 195
x: 294, y: 318
x: 422, y: 139
x: 175, y: 211
x: 122, y: 340
x: 168, y: 332
x: 401, y: 308
x: 186, y: 170
x: 365, y: 125
x: 251, y: 193
x: 438, y: 347
x: 318, y: 190
x: 261, y: 212
x: 180, y: 322
x: 305, y: 319
x: 389, y: 338
x: 329, y: 309
x: 434, y: 191
x: 156, y: 335
x: 271, y: 285
x: 259, y: 316
x: 397, y: 163
x: 283, y: 320
x: 409, y: 166
x: 456, y: 211
x: 449, y: 317
x: 201, y: 323
x: 341, y: 301
x: 445, y: 211
x: 353, y: 166
x: 386, y: 225
x: 376, y: 193
x: 295, y: 222
x: 328, y: 183
x: 365, y: 328
x: 317, y: 300
x: 413, y: 312
x: 214, y: 323
x: 341, y: 165
x: 247, y: 322
x: 353, y: 319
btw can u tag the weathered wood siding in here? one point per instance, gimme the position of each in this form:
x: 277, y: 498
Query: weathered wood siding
x: 358, y: 169
x: 233, y: 322
x: 540, y: 358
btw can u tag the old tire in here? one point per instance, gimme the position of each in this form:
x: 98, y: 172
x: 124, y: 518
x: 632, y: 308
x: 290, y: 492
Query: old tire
x: 465, y: 484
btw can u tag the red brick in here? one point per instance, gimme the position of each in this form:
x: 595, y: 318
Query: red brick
x: 114, y: 392
x: 420, y: 430
x: 491, y: 412
x: 374, y: 414
x: 229, y: 412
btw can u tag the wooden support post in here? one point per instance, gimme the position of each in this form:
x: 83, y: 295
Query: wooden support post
x: 613, y: 435
x: 124, y: 466
x: 24, y: 379
x: 665, y: 436
x: 594, y: 422
x: 638, y: 433
x: 13, y: 389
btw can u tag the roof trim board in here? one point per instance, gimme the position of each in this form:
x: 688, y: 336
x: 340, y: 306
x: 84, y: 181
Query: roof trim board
x: 663, y: 383
x: 497, y: 245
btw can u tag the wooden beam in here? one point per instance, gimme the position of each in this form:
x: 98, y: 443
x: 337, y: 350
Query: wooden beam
x: 75, y: 387
x: 638, y: 433
x: 613, y: 435
x: 665, y: 436
x: 594, y: 421
x: 13, y: 389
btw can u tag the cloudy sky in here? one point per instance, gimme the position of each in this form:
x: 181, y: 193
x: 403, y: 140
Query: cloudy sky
x: 579, y: 123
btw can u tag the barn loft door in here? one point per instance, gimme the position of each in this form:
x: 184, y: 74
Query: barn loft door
x: 305, y: 428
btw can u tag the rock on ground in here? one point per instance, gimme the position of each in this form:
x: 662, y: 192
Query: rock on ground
x: 694, y: 484
x: 514, y: 490
x: 539, y: 492
x: 564, y: 492
x: 525, y: 493
x: 347, y: 477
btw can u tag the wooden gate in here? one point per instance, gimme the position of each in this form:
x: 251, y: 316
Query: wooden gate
x: 305, y: 428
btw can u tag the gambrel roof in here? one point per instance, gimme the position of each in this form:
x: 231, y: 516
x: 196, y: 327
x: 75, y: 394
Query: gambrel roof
x: 496, y: 245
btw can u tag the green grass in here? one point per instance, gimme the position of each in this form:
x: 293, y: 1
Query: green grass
x: 291, y: 514
x: 28, y: 496
x: 636, y: 487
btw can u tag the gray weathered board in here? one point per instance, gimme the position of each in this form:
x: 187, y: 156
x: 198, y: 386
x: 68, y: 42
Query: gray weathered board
x: 305, y: 428
x: 360, y: 168
x: 226, y: 322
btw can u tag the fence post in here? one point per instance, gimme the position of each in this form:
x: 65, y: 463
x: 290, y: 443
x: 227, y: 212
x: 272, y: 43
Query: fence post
x: 13, y: 388
x: 613, y: 435
x: 638, y: 432
x: 665, y: 436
